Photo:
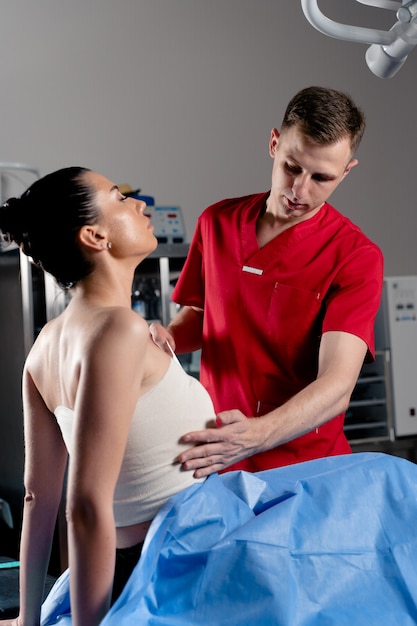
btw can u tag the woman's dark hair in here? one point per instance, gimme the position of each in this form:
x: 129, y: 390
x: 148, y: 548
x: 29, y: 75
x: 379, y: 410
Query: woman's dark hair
x: 45, y: 221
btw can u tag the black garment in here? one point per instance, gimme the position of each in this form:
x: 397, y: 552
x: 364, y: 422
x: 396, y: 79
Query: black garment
x: 126, y: 559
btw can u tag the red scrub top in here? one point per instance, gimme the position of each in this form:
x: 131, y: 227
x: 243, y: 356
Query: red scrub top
x: 265, y: 310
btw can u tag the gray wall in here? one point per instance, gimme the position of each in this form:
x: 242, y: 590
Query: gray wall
x: 178, y: 97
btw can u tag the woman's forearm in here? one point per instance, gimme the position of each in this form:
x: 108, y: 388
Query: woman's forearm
x: 35, y: 549
x: 92, y: 551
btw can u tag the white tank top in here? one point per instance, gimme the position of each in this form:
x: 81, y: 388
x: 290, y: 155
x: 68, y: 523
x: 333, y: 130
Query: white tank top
x: 149, y: 475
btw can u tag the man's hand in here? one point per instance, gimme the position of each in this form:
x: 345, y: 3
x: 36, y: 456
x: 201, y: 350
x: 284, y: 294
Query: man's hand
x: 162, y: 337
x: 236, y: 437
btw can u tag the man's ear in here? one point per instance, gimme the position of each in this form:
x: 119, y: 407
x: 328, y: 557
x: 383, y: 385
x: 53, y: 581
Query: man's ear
x: 273, y: 142
x: 349, y: 166
x: 92, y: 237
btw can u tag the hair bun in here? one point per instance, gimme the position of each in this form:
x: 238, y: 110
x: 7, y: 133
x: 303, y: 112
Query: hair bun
x: 13, y: 222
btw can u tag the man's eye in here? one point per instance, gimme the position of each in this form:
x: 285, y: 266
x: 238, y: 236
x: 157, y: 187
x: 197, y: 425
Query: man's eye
x: 320, y: 178
x: 292, y: 168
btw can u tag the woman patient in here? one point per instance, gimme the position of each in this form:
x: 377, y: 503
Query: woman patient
x: 96, y: 388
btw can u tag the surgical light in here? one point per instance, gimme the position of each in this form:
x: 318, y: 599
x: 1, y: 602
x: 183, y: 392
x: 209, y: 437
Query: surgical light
x: 389, y: 50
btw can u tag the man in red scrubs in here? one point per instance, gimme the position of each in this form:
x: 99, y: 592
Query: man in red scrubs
x: 281, y: 291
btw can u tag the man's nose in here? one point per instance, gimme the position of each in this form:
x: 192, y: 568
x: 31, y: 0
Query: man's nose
x: 300, y: 186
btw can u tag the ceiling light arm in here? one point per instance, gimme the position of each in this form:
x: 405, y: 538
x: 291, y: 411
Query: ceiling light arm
x: 345, y: 32
x: 389, y: 49
x: 392, y: 5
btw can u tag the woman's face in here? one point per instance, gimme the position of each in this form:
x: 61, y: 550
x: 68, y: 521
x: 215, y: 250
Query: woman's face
x: 127, y: 228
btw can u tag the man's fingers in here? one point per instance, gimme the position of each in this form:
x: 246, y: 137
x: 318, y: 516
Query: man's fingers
x: 203, y: 466
x: 211, y: 435
x: 198, y: 454
x: 162, y: 338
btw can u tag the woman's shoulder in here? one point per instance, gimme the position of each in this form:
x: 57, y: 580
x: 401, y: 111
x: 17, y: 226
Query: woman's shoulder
x: 108, y: 328
x: 121, y: 317
x: 48, y: 335
x: 118, y: 324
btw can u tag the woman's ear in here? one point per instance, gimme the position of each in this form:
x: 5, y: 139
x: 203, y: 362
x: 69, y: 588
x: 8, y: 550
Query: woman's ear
x: 92, y: 237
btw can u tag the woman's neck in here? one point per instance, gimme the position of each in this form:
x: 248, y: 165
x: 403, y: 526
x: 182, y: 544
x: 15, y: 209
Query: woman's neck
x: 104, y: 290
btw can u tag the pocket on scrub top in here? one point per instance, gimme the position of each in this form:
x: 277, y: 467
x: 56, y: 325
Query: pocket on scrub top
x: 294, y: 314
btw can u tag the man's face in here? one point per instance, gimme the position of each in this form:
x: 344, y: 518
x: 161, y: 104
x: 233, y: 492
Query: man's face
x: 304, y: 174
